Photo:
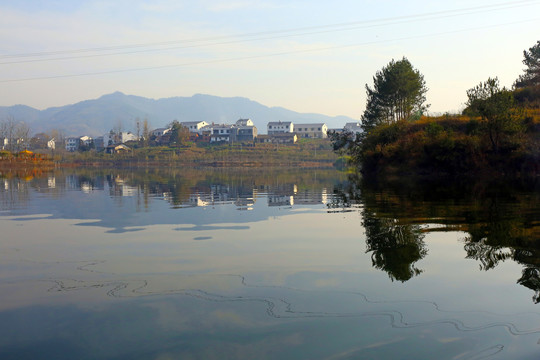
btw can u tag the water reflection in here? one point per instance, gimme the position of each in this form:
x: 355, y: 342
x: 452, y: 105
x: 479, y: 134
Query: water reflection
x: 394, y: 247
x: 133, y: 192
x: 501, y: 222
x: 257, y: 261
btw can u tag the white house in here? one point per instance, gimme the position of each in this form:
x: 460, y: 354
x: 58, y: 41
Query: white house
x: 220, y: 133
x: 160, y: 131
x: 244, y: 122
x: 354, y: 127
x: 314, y: 131
x: 194, y: 126
x: 127, y: 136
x: 279, y: 127
x: 85, y: 140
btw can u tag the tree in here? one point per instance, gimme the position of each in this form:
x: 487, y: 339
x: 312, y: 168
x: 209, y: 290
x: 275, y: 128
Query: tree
x: 531, y: 59
x: 179, y: 133
x: 398, y: 93
x: 497, y: 109
x: 15, y: 133
x: 22, y: 135
x: 145, y: 133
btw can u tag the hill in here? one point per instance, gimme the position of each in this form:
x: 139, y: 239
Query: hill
x: 98, y: 116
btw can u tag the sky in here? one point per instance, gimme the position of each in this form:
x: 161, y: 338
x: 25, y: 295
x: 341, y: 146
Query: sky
x: 308, y: 56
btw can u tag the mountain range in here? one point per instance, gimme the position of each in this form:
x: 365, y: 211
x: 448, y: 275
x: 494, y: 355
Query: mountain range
x: 117, y: 110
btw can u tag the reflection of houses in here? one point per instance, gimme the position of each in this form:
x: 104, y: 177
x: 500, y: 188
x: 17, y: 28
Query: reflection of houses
x: 280, y: 200
x: 83, y: 183
x: 311, y: 197
x: 245, y: 199
x: 118, y: 187
x: 51, y: 182
x: 196, y: 200
x: 220, y: 194
x: 281, y: 195
x: 313, y: 131
x: 242, y: 195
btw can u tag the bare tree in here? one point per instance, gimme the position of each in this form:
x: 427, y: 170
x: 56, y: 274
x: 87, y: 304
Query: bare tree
x: 22, y: 135
x: 145, y: 133
x: 14, y: 133
x: 138, y: 126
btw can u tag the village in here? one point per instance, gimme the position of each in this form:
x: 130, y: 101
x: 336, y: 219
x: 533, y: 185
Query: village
x: 243, y: 131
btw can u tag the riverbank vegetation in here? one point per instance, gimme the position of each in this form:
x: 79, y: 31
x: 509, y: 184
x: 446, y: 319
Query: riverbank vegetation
x: 305, y: 153
x: 497, y: 133
x: 24, y: 159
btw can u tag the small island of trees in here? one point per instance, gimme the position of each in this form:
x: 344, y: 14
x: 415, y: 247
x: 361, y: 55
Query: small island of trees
x: 497, y: 133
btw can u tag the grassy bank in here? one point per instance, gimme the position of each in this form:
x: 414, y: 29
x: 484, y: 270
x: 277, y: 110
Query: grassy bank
x: 307, y: 153
x: 455, y: 145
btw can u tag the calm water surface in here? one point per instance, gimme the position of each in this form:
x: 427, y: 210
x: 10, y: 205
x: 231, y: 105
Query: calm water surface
x: 310, y: 264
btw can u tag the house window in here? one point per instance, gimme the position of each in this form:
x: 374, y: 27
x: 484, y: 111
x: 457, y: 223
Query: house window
x: 319, y: 129
x: 269, y: 126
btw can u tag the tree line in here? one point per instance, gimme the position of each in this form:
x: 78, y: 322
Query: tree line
x: 498, y: 129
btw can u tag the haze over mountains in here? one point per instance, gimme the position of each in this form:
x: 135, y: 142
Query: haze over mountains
x: 98, y: 116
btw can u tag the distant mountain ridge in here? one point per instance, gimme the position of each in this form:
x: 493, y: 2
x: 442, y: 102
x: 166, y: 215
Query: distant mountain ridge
x: 98, y: 116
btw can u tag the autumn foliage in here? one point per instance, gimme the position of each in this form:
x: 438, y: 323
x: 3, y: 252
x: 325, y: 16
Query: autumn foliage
x: 449, y: 144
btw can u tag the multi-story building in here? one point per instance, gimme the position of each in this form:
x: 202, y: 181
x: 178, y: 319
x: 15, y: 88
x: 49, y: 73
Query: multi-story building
x: 244, y: 133
x: 72, y: 144
x: 221, y: 133
x: 244, y: 122
x: 160, y: 131
x: 194, y: 126
x: 314, y: 131
x: 279, y: 127
x: 354, y: 127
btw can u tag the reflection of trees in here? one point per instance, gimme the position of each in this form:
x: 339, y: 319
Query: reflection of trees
x: 395, y: 245
x: 395, y: 248
x: 531, y: 278
x: 488, y: 256
x: 501, y: 222
x: 506, y: 227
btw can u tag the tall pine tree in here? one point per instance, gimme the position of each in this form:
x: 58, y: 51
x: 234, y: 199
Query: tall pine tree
x: 398, y: 93
x: 531, y: 59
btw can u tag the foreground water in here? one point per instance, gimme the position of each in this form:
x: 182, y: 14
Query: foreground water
x: 307, y: 264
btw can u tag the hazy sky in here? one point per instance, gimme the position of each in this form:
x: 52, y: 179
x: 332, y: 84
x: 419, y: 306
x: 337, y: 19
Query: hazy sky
x: 305, y: 55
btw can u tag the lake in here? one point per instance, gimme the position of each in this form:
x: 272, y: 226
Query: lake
x: 261, y: 264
